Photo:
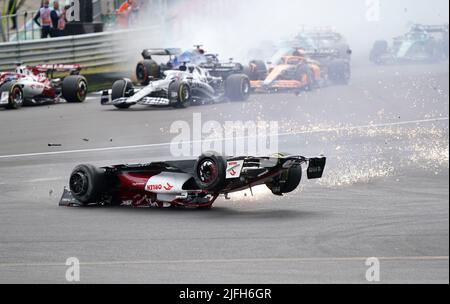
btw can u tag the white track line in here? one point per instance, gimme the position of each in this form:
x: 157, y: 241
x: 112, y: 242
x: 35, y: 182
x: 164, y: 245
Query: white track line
x: 42, y: 180
x: 411, y: 122
x: 221, y: 261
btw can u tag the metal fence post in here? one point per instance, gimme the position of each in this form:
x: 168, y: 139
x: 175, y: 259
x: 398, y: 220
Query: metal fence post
x: 1, y: 29
x: 25, y: 15
x: 7, y: 28
x: 32, y: 27
x: 17, y: 27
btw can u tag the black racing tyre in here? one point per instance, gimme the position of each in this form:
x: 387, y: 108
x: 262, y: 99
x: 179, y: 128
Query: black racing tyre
x: 119, y: 90
x: 260, y: 68
x: 180, y: 94
x: 16, y: 96
x: 345, y: 52
x: 251, y: 74
x: 210, y: 172
x: 445, y: 47
x: 379, y: 49
x: 256, y: 70
x: 87, y: 184
x: 147, y: 69
x: 339, y: 72
x: 75, y: 88
x: 303, y: 70
x: 237, y: 87
x: 433, y: 51
x: 287, y: 181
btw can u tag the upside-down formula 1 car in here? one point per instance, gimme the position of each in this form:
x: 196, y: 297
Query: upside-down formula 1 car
x: 191, y: 183
x: 180, y: 88
x: 35, y: 85
x: 423, y: 43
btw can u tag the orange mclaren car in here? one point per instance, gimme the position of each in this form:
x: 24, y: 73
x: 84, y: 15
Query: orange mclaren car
x: 290, y: 72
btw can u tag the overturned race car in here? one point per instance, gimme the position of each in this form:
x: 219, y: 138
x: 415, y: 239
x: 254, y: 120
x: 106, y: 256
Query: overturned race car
x: 191, y: 183
x: 35, y: 85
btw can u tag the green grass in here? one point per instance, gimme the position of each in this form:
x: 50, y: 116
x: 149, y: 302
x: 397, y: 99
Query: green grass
x: 101, y: 78
x: 99, y: 86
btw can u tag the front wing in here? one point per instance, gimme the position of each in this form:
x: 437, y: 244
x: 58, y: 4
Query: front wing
x: 279, y: 84
x: 106, y: 100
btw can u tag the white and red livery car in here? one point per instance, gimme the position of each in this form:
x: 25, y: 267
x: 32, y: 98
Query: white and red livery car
x: 35, y: 85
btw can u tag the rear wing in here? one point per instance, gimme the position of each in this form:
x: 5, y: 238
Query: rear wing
x: 45, y: 68
x: 317, y: 29
x: 322, y: 53
x: 148, y: 53
x: 324, y: 36
x: 431, y: 28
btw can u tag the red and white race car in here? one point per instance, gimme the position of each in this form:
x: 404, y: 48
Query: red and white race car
x: 187, y: 183
x: 35, y: 85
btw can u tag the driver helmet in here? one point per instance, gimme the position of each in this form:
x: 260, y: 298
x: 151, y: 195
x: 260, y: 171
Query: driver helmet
x: 20, y: 70
x: 300, y: 52
x: 10, y: 77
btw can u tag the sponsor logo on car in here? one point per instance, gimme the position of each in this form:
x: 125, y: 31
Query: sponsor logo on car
x: 159, y: 187
x: 154, y: 187
x: 36, y: 86
x: 234, y: 169
x: 168, y: 187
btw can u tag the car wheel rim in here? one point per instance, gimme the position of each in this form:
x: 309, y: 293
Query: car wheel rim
x: 82, y: 90
x: 245, y: 88
x: 184, y: 94
x: 17, y: 96
x: 208, y: 172
x: 78, y: 183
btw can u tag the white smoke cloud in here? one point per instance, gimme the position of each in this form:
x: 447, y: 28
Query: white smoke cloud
x: 232, y: 27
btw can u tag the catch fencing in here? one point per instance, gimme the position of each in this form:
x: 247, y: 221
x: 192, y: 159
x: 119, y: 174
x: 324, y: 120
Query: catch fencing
x: 90, y: 50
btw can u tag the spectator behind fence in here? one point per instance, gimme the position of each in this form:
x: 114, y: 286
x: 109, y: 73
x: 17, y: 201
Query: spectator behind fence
x: 44, y: 14
x: 133, y: 17
x: 127, y: 14
x: 13, y: 6
x: 58, y: 20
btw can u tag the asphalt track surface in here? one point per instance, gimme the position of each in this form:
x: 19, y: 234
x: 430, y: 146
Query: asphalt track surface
x: 384, y: 194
